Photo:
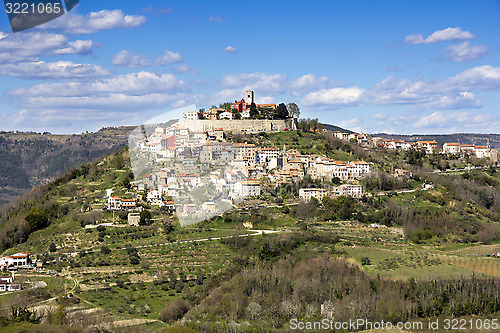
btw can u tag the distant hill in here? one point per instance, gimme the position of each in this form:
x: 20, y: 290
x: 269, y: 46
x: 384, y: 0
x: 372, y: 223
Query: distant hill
x: 463, y: 138
x: 30, y: 159
x: 334, y: 128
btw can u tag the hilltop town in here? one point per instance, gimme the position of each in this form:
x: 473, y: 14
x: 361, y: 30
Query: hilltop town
x: 182, y: 159
x: 194, y: 153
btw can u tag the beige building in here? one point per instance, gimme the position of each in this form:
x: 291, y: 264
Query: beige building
x: 307, y: 193
x: 134, y: 218
x: 208, y: 207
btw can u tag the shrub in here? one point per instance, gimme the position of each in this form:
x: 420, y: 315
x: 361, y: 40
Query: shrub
x: 174, y: 311
x: 366, y: 261
x: 52, y: 247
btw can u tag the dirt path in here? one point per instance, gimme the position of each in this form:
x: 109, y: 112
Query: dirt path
x: 133, y: 322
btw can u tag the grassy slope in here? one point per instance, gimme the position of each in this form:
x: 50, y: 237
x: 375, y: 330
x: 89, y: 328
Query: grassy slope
x: 391, y: 255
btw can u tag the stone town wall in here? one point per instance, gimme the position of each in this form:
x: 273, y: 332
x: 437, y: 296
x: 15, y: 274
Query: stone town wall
x: 243, y: 125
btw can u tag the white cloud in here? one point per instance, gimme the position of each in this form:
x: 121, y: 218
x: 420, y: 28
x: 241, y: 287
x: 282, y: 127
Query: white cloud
x: 54, y: 70
x: 335, y: 97
x: 185, y: 69
x: 216, y: 19
x: 461, y: 100
x: 448, y: 34
x: 119, y: 93
x: 94, y: 22
x: 76, y: 47
x: 447, y: 120
x: 230, y: 49
x: 91, y: 104
x: 464, y: 52
x: 274, y: 84
x: 478, y: 78
x: 125, y: 58
x: 168, y: 57
x: 31, y: 45
x: 451, y: 93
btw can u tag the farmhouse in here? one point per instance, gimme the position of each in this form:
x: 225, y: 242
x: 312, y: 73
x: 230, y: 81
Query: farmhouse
x: 19, y: 259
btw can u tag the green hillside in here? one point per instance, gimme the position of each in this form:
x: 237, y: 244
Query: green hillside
x: 390, y: 255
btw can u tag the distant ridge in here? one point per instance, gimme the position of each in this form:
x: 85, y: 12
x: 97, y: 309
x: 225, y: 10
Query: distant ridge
x: 335, y: 128
x: 29, y: 159
x: 462, y: 138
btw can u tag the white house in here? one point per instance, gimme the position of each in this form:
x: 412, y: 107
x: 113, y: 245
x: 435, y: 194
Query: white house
x: 467, y: 149
x: 264, y: 155
x: 247, y: 189
x: 154, y: 197
x: 350, y: 190
x: 481, y: 151
x: 429, y: 146
x: 452, y: 148
x: 19, y: 259
x: 117, y: 203
x: 226, y: 115
x: 190, y: 115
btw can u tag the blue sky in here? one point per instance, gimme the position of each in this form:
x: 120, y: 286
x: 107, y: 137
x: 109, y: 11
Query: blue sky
x: 390, y: 66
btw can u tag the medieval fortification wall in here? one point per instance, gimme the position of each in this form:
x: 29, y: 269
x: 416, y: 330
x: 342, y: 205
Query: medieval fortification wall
x: 244, y: 125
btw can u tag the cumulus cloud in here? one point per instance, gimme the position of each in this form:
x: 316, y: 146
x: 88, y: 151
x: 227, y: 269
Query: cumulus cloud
x: 230, y: 49
x: 447, y: 120
x: 451, y: 93
x: 335, y: 97
x: 94, y: 22
x: 168, y: 57
x: 478, y: 78
x: 448, y: 34
x: 455, y: 92
x: 31, y: 45
x: 120, y: 93
x: 125, y: 58
x: 274, y: 84
x: 38, y: 70
x: 465, y: 51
